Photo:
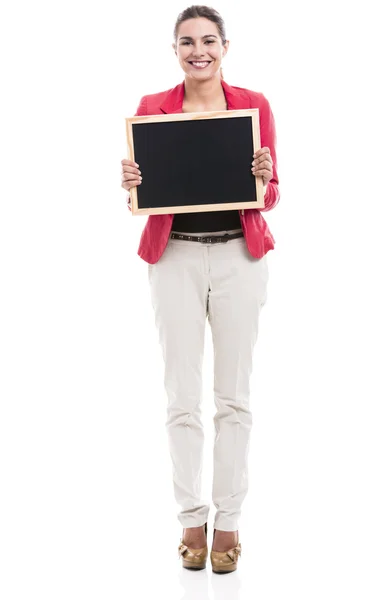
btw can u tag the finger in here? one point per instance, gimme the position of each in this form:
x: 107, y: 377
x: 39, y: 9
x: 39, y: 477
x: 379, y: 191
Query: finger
x: 261, y: 151
x: 127, y: 185
x: 128, y: 169
x: 262, y: 168
x: 262, y: 173
x: 261, y: 159
x: 130, y: 184
x: 131, y: 177
x: 265, y: 164
x: 130, y: 163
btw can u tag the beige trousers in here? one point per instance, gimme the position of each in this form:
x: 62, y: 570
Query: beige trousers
x: 193, y: 281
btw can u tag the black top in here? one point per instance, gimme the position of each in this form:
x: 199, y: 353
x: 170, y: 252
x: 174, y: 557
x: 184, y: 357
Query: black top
x: 217, y: 220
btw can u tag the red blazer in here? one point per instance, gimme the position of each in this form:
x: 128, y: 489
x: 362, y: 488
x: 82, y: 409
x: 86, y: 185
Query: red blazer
x: 258, y: 237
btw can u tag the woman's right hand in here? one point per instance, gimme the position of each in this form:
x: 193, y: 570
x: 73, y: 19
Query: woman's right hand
x: 131, y: 175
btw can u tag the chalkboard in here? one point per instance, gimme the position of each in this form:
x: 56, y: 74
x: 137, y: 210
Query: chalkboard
x: 193, y: 162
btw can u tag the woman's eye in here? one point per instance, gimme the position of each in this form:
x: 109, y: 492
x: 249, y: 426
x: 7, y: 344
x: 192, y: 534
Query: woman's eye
x: 207, y: 42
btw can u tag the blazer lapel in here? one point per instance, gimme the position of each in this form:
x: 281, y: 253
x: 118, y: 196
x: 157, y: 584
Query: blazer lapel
x: 236, y: 98
x: 173, y: 102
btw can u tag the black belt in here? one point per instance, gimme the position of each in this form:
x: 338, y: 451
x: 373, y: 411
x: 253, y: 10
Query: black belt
x: 212, y: 239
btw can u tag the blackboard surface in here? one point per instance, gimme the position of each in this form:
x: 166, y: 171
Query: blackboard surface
x: 195, y: 162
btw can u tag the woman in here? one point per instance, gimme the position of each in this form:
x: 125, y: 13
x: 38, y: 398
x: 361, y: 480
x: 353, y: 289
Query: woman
x: 192, y: 279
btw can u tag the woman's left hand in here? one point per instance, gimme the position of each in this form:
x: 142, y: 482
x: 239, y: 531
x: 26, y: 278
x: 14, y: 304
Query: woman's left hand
x: 262, y: 164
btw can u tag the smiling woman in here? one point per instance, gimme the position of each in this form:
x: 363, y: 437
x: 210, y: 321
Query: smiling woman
x: 208, y: 264
x: 213, y: 46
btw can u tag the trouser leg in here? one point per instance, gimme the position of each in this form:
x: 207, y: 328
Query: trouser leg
x: 179, y: 289
x: 237, y: 293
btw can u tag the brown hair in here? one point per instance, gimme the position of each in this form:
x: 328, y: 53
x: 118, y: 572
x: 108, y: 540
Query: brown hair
x: 195, y: 11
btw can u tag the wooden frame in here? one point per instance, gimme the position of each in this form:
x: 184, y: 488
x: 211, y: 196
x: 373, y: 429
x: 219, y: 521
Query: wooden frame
x: 226, y: 114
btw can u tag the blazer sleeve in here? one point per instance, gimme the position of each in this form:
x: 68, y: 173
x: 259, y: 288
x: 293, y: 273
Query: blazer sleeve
x: 268, y: 138
x: 141, y: 110
x: 142, y: 107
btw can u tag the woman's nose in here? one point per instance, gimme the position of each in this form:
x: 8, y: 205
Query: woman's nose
x: 198, y: 50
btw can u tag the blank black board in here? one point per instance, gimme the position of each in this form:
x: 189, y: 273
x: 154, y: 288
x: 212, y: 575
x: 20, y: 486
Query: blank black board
x: 195, y: 162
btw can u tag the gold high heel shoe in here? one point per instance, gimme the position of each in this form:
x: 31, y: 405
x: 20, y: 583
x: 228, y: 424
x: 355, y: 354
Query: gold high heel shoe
x: 193, y: 558
x: 225, y: 562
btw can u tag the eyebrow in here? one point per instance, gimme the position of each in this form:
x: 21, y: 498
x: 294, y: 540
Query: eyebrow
x: 187, y: 37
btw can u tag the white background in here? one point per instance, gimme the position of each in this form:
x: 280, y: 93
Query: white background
x: 86, y: 505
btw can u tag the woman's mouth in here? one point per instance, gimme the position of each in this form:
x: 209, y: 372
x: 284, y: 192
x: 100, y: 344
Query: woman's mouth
x: 198, y: 64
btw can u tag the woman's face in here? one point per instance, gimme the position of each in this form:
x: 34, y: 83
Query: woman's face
x: 199, y: 48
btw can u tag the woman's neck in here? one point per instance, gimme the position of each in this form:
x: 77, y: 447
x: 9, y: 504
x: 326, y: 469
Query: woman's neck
x: 203, y: 93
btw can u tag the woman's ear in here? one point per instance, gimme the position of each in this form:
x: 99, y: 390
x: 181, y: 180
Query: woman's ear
x: 226, y: 46
x: 174, y: 48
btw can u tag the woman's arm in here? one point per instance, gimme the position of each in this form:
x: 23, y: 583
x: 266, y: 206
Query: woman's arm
x: 268, y: 139
x: 141, y: 110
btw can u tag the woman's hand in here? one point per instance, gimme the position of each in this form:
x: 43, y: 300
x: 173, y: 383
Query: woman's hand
x: 131, y: 175
x: 263, y: 165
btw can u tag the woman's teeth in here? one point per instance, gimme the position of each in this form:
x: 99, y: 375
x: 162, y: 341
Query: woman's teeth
x: 200, y: 65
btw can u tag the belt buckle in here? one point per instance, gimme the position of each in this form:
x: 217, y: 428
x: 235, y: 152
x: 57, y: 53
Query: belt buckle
x: 215, y: 239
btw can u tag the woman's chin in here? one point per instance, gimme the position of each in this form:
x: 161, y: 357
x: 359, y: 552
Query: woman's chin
x: 202, y: 74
